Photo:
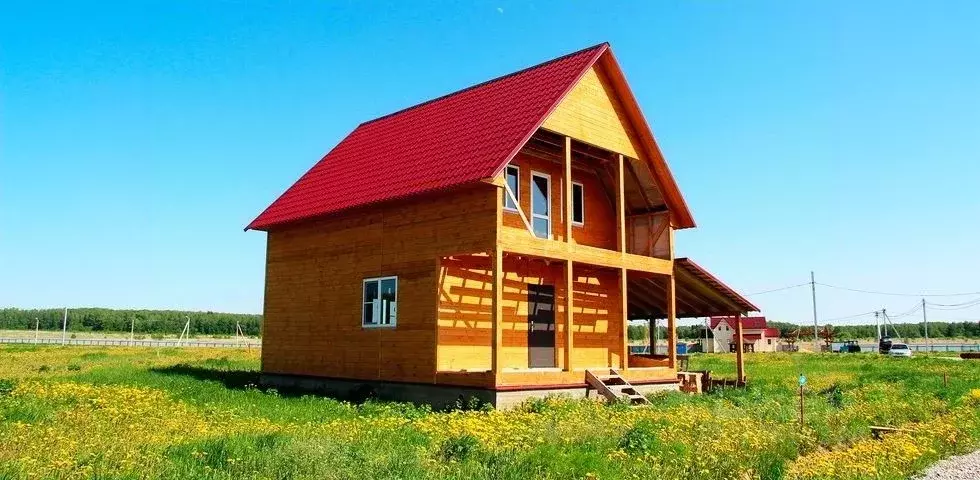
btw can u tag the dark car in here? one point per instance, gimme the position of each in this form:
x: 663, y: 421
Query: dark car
x: 884, y: 345
x: 850, y: 346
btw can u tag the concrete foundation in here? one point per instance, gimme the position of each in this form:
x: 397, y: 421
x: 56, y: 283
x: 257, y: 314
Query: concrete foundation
x: 438, y: 396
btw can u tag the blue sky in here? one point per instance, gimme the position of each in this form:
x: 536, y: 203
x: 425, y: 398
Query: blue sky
x: 137, y: 139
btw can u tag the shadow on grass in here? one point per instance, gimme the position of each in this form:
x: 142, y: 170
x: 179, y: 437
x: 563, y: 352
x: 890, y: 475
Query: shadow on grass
x: 234, y: 379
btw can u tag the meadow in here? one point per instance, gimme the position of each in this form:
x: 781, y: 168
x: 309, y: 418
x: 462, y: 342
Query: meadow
x: 79, y: 412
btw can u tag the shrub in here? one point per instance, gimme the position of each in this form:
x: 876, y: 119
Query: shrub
x: 459, y: 448
x: 639, y: 439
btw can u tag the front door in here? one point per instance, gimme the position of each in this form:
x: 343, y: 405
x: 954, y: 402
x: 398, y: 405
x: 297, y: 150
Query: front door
x: 541, y: 326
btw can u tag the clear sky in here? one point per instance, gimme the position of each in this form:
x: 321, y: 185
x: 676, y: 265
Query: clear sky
x: 137, y: 139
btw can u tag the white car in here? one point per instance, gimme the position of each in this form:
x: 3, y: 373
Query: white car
x: 900, y: 350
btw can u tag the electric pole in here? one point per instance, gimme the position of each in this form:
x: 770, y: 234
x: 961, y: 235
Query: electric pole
x: 877, y: 327
x: 925, y: 323
x: 813, y: 290
x: 64, y: 327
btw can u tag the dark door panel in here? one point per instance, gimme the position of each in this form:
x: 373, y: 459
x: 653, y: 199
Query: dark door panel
x: 541, y: 326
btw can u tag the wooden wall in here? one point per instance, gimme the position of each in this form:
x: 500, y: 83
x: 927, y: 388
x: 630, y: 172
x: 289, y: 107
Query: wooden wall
x: 465, y: 327
x: 314, y: 274
x: 592, y: 113
x: 599, y: 229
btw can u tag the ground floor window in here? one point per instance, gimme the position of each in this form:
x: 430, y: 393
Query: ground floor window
x: 380, y: 302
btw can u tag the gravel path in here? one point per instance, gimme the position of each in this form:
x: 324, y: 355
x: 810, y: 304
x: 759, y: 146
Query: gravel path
x: 961, y: 467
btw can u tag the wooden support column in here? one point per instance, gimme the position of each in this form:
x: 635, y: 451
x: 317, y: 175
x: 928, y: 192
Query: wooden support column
x: 569, y: 321
x: 568, y: 189
x: 496, y: 310
x: 624, y: 357
x: 620, y: 207
x: 739, y: 355
x: 671, y: 322
x: 497, y: 291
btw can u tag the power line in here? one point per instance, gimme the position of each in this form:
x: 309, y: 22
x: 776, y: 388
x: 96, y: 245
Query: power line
x: 900, y: 294
x: 848, y: 316
x: 778, y: 289
x: 967, y: 303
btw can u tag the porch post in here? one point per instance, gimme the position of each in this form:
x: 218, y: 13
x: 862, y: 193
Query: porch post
x: 620, y: 207
x: 739, y: 355
x: 671, y: 322
x: 624, y: 356
x: 496, y: 310
x: 568, y: 189
x: 569, y: 303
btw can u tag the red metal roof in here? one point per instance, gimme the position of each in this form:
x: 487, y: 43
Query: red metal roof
x: 460, y: 138
x: 456, y: 139
x: 772, y: 332
x: 748, y: 323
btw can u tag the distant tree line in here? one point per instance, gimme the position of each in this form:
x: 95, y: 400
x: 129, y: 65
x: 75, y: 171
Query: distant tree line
x: 146, y: 321
x: 841, y: 332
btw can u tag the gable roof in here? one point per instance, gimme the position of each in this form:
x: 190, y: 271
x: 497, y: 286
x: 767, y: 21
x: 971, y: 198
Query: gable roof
x: 460, y: 138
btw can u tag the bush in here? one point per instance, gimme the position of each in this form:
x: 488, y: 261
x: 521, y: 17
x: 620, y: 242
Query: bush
x: 639, y: 439
x: 459, y: 448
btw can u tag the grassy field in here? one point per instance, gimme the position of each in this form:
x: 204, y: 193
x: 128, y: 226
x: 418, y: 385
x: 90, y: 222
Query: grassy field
x: 196, y: 413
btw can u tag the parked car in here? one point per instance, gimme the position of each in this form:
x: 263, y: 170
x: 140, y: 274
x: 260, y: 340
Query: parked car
x: 899, y: 350
x: 884, y: 345
x: 850, y: 346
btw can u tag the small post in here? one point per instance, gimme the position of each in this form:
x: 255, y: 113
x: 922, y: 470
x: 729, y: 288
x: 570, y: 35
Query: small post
x: 64, y: 327
x: 945, y: 379
x: 802, y: 383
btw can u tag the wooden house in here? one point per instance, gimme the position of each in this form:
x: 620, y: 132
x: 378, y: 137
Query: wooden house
x: 490, y: 243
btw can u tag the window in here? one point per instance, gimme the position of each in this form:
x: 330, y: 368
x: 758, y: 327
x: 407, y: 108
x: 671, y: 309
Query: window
x: 541, y: 204
x: 514, y: 182
x: 578, y: 204
x: 769, y: 341
x: 380, y: 303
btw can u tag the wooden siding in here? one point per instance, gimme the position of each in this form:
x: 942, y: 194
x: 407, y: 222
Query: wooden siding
x: 314, y: 274
x: 464, y: 314
x: 592, y: 113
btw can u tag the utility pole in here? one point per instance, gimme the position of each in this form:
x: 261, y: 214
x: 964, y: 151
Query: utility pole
x: 884, y: 316
x: 925, y: 323
x: 132, y: 329
x: 877, y: 327
x: 813, y: 290
x: 37, y: 324
x: 64, y: 327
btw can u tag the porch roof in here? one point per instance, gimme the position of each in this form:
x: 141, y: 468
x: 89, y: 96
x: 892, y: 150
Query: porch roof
x: 698, y: 294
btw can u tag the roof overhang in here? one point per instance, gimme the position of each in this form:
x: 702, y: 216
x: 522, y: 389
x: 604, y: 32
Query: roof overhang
x: 698, y: 294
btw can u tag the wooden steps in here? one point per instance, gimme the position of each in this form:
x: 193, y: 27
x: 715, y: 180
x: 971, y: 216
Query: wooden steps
x: 614, y: 387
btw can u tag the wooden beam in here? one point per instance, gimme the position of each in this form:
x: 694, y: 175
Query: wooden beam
x: 624, y: 321
x: 671, y: 322
x: 515, y: 240
x: 620, y: 206
x: 569, y: 305
x: 520, y: 211
x: 496, y: 311
x: 636, y: 178
x: 739, y: 355
x: 568, y: 189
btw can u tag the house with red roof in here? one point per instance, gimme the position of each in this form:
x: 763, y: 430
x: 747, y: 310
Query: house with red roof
x: 756, y: 335
x: 490, y: 243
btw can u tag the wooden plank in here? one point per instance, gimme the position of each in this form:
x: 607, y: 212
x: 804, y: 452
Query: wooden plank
x: 569, y: 305
x: 568, y: 189
x: 497, y: 314
x: 672, y: 322
x: 620, y: 206
x: 624, y: 320
x: 518, y: 241
x: 520, y: 211
x: 739, y: 355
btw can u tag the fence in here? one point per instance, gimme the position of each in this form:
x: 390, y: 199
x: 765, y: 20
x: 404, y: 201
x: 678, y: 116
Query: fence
x: 112, y: 342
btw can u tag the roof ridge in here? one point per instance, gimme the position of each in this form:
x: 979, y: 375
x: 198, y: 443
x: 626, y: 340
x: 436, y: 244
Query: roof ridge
x: 487, y: 82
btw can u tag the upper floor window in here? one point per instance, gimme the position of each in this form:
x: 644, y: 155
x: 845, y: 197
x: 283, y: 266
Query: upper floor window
x: 513, y: 175
x: 578, y: 204
x: 380, y: 302
x: 541, y: 204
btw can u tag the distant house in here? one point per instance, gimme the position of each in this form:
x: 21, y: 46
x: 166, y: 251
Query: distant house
x: 756, y: 335
x: 490, y: 243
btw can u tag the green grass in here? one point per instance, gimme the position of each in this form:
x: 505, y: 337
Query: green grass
x: 244, y: 431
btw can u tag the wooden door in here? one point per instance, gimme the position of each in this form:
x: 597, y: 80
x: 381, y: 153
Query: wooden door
x: 541, y: 326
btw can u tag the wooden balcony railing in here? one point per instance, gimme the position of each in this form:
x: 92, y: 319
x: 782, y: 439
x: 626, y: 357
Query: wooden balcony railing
x: 647, y: 235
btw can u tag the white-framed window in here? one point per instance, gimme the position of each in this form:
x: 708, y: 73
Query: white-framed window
x: 541, y: 204
x: 379, y: 304
x: 513, y: 177
x: 578, y: 204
